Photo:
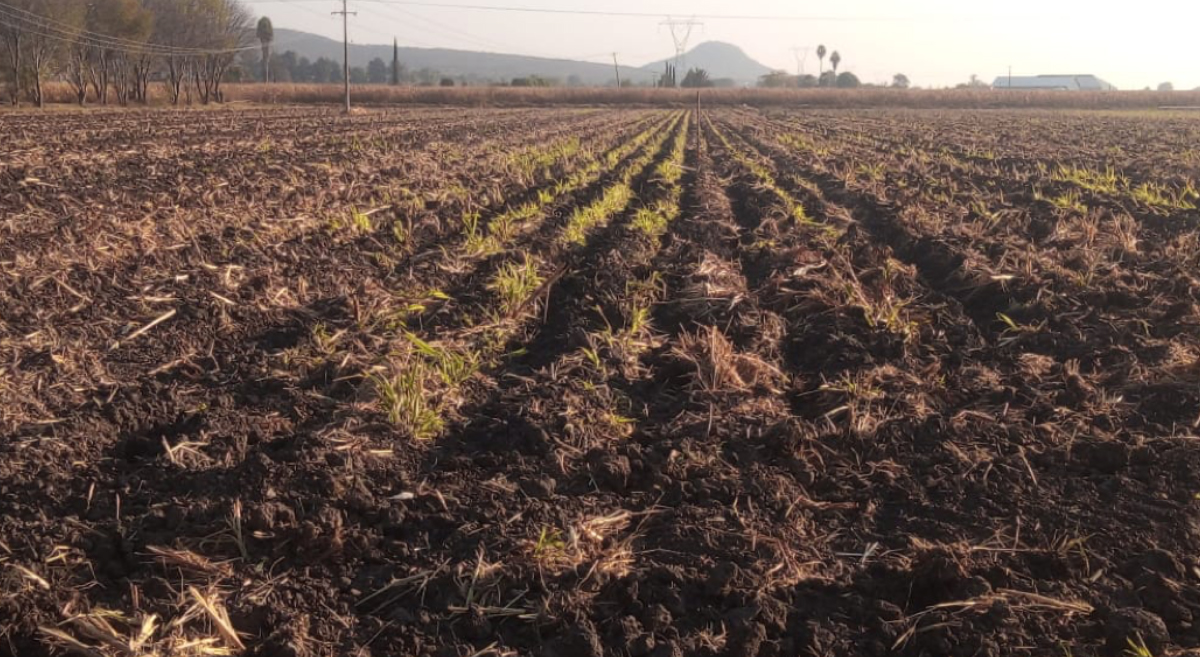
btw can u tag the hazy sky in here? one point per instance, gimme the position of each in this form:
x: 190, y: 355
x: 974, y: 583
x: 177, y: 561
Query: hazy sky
x: 934, y: 42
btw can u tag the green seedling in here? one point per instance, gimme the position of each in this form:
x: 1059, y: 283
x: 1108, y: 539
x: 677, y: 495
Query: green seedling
x: 402, y: 398
x: 1161, y: 196
x: 852, y: 389
x: 1104, y: 182
x: 1069, y: 201
x: 1138, y: 648
x: 515, y: 283
x: 361, y: 221
x: 582, y: 221
x: 550, y: 543
x: 1013, y: 325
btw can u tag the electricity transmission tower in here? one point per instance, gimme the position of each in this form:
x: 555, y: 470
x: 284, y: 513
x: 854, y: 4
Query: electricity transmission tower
x: 681, y: 33
x: 801, y: 55
x: 346, y: 48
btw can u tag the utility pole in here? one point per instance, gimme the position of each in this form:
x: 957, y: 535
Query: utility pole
x: 617, y: 70
x: 681, y: 33
x: 346, y: 48
x: 1010, y: 76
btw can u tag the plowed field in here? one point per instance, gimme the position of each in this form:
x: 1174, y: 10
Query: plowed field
x: 577, y: 383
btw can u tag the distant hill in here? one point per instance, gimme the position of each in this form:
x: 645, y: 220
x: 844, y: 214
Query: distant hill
x: 721, y: 60
x: 482, y: 65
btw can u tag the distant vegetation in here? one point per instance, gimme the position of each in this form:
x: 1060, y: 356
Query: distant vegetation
x: 290, y: 67
x: 831, y: 78
x: 697, y: 78
x: 828, y: 79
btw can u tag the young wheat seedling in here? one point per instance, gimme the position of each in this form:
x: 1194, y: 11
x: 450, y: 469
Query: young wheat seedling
x: 403, y: 399
x: 515, y: 283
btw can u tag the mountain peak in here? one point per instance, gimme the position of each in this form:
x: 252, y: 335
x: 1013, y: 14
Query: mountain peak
x: 721, y: 60
x: 719, y: 47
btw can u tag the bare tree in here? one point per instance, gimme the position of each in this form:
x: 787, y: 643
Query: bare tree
x: 77, y: 71
x: 225, y: 27
x: 134, y: 24
x: 141, y: 68
x: 123, y: 25
x: 115, y: 46
x: 33, y: 36
x: 39, y: 41
x: 14, y: 34
x: 174, y: 24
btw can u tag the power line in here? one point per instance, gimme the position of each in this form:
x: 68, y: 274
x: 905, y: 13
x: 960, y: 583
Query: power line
x: 449, y: 30
x: 455, y: 34
x: 37, y: 28
x: 389, y: 35
x: 405, y: 19
x: 651, y: 14
x: 47, y: 31
x: 66, y: 29
x: 360, y: 27
x: 31, y: 22
x: 139, y: 51
x: 50, y: 28
x: 314, y: 12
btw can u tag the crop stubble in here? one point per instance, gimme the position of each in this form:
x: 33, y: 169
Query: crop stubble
x: 588, y: 382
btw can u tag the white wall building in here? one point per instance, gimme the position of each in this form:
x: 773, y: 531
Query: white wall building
x: 1052, y: 82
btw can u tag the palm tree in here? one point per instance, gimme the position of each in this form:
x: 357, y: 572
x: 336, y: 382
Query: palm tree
x: 821, y: 55
x: 266, y: 34
x: 835, y: 59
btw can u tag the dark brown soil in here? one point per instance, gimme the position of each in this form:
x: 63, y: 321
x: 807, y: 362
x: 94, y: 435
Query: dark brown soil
x: 919, y: 383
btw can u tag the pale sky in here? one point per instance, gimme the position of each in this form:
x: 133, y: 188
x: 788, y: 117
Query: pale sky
x: 934, y: 42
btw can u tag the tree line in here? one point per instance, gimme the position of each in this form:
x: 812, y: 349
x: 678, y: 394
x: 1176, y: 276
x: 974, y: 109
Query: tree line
x: 782, y: 79
x: 290, y: 66
x: 111, y: 50
x: 695, y: 78
x: 830, y: 78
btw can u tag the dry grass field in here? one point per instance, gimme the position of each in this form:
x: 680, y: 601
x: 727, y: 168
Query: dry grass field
x: 864, y: 98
